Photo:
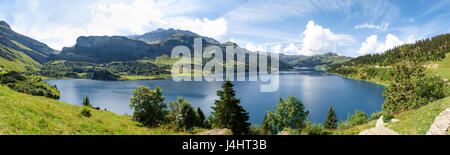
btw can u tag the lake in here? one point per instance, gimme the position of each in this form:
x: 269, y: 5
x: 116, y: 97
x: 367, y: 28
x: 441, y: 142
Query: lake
x: 316, y: 89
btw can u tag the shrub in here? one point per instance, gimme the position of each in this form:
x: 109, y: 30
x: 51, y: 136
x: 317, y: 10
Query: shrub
x: 148, y: 106
x: 315, y: 129
x: 86, y: 112
x: 358, y: 118
x: 289, y: 113
x: 376, y: 115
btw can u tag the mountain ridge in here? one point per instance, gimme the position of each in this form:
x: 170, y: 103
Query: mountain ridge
x: 19, y: 52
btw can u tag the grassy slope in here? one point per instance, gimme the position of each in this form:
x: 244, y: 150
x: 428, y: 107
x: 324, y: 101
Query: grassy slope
x: 20, y: 63
x: 417, y: 122
x: 443, y: 68
x: 22, y: 114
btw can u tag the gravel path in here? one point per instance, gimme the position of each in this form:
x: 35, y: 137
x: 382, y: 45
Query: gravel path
x: 379, y: 129
x: 441, y: 124
x: 216, y: 132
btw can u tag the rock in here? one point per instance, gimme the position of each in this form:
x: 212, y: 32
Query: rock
x: 283, y: 133
x: 379, y: 129
x: 441, y: 124
x: 394, y: 120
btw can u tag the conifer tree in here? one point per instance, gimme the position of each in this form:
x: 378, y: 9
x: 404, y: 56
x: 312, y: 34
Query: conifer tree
x: 228, y: 113
x: 86, y: 102
x: 331, y: 122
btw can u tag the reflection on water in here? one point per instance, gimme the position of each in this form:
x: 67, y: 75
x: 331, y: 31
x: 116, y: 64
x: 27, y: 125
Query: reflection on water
x: 316, y: 89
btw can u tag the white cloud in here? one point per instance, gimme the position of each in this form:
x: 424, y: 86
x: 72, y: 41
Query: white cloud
x: 372, y: 45
x: 277, y: 48
x: 383, y: 27
x: 140, y: 16
x: 114, y: 18
x: 254, y: 48
x: 291, y: 49
x: 319, y: 40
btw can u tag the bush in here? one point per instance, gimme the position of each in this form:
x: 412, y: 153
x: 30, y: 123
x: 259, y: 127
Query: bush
x: 376, y: 115
x: 86, y: 112
x: 315, y: 129
x: 358, y: 118
x: 342, y: 125
x: 148, y: 106
x: 183, y: 114
x: 289, y: 113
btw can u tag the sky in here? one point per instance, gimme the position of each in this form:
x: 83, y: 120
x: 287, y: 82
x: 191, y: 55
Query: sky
x: 305, y: 27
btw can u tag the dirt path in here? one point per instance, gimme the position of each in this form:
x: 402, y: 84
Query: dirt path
x: 441, y: 124
x: 216, y: 132
x: 379, y: 129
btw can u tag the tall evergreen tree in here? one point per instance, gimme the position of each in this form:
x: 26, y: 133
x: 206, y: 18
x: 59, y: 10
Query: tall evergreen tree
x: 228, y: 113
x: 200, y: 118
x: 266, y: 127
x: 86, y: 101
x: 331, y: 122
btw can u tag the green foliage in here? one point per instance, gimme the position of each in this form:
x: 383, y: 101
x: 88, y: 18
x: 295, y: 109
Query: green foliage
x: 86, y: 112
x: 183, y: 114
x: 289, y: 113
x: 315, y: 129
x: 376, y: 115
x: 357, y: 118
x: 228, y: 113
x: 86, y: 102
x: 148, y: 106
x: 432, y: 49
x: 266, y: 127
x: 104, y: 75
x: 331, y: 121
x: 201, y: 118
x: 313, y: 61
x: 29, y: 85
x: 61, y: 69
x: 411, y: 88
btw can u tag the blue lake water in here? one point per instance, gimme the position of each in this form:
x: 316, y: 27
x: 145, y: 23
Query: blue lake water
x: 316, y: 89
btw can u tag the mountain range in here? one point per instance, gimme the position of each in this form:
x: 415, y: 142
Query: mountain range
x: 22, y: 53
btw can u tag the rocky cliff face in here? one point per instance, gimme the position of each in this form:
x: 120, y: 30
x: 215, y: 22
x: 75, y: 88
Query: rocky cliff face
x: 104, y: 49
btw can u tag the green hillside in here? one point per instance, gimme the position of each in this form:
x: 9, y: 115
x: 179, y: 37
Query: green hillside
x: 13, y: 60
x: 32, y: 115
x: 316, y: 61
x: 20, y: 53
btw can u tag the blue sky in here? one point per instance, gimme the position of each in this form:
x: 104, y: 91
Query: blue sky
x: 307, y: 27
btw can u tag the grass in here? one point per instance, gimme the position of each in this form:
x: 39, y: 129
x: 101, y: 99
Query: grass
x: 443, y: 68
x: 23, y: 114
x: 20, y: 63
x: 354, y: 130
x: 153, y: 77
x: 417, y: 122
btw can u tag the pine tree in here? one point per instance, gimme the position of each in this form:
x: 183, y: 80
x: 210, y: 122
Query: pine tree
x: 228, y: 113
x: 266, y: 127
x: 200, y: 118
x: 86, y: 102
x: 331, y: 122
